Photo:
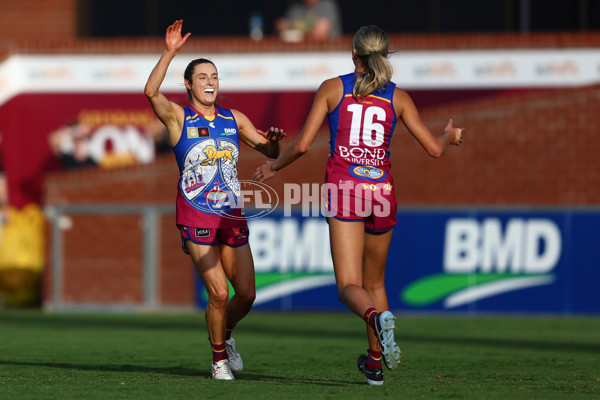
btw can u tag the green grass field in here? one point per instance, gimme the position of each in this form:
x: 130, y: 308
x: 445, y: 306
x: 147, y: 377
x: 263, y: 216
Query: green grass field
x: 295, y: 356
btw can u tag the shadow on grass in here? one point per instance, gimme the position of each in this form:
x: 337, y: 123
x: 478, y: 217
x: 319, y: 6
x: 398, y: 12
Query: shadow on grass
x: 180, y: 371
x: 317, y: 325
x: 294, y: 380
x: 107, y: 368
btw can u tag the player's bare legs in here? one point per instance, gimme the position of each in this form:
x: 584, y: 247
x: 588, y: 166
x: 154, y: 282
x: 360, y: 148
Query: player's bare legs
x: 208, y: 265
x: 239, y: 267
x: 347, y: 246
x: 374, y: 261
x: 381, y: 333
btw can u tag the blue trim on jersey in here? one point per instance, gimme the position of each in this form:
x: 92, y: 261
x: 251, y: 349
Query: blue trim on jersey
x: 348, y: 82
x: 334, y: 118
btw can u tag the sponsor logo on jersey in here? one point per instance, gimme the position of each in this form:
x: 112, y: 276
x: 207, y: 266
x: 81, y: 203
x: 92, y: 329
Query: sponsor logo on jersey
x: 366, y: 172
x: 194, y: 132
x: 229, y: 131
x: 362, y: 156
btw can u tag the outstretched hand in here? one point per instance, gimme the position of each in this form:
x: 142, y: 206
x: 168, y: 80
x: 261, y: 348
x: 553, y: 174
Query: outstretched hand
x: 173, y: 38
x: 273, y: 134
x: 264, y: 172
x: 455, y: 134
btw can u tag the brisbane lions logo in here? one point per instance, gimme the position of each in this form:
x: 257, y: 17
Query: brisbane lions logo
x: 213, y: 155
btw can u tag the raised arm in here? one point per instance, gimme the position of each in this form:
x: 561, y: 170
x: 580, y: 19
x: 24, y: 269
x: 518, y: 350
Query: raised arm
x: 170, y: 114
x: 435, y: 146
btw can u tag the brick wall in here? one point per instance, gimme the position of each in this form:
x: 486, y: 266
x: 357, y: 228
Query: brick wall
x: 27, y: 20
x: 537, y: 148
x: 100, y: 250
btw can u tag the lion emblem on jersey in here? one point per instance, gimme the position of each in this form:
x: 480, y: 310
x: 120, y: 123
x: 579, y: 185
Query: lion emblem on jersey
x: 213, y: 155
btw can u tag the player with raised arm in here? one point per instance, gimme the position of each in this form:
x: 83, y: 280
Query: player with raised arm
x: 205, y: 139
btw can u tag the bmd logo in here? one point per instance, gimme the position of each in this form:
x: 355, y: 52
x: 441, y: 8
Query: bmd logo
x: 291, y: 256
x: 481, y: 260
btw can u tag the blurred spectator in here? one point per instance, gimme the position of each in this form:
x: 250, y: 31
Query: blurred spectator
x: 3, y: 194
x: 159, y: 133
x: 317, y: 20
x: 70, y: 145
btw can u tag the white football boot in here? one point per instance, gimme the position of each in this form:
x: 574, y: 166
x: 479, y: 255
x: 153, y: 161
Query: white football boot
x: 385, y: 326
x: 221, y: 371
x: 235, y: 359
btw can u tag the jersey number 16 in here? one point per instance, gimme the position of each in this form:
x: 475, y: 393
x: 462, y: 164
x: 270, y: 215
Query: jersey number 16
x: 372, y: 132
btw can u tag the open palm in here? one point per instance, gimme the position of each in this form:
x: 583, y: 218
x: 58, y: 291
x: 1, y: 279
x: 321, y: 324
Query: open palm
x: 173, y: 38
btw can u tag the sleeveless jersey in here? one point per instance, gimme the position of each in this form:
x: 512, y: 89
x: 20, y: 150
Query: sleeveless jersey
x: 360, y: 133
x: 207, y: 156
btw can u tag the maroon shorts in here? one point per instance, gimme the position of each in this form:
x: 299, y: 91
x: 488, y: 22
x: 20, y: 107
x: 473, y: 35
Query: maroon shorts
x: 233, y: 237
x: 378, y: 212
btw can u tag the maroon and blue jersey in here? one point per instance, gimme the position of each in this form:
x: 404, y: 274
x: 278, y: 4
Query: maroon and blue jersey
x: 360, y: 186
x: 360, y: 133
x: 207, y: 155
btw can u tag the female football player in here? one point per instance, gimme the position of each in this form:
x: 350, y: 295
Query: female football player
x: 363, y: 108
x: 205, y: 140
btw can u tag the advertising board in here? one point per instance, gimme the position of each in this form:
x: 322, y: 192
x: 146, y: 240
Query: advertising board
x: 463, y: 260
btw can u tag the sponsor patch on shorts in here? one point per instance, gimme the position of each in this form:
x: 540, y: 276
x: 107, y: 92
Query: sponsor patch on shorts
x: 240, y: 233
x: 201, y: 232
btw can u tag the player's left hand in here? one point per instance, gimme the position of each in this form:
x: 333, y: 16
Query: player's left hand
x: 455, y: 134
x: 273, y: 134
